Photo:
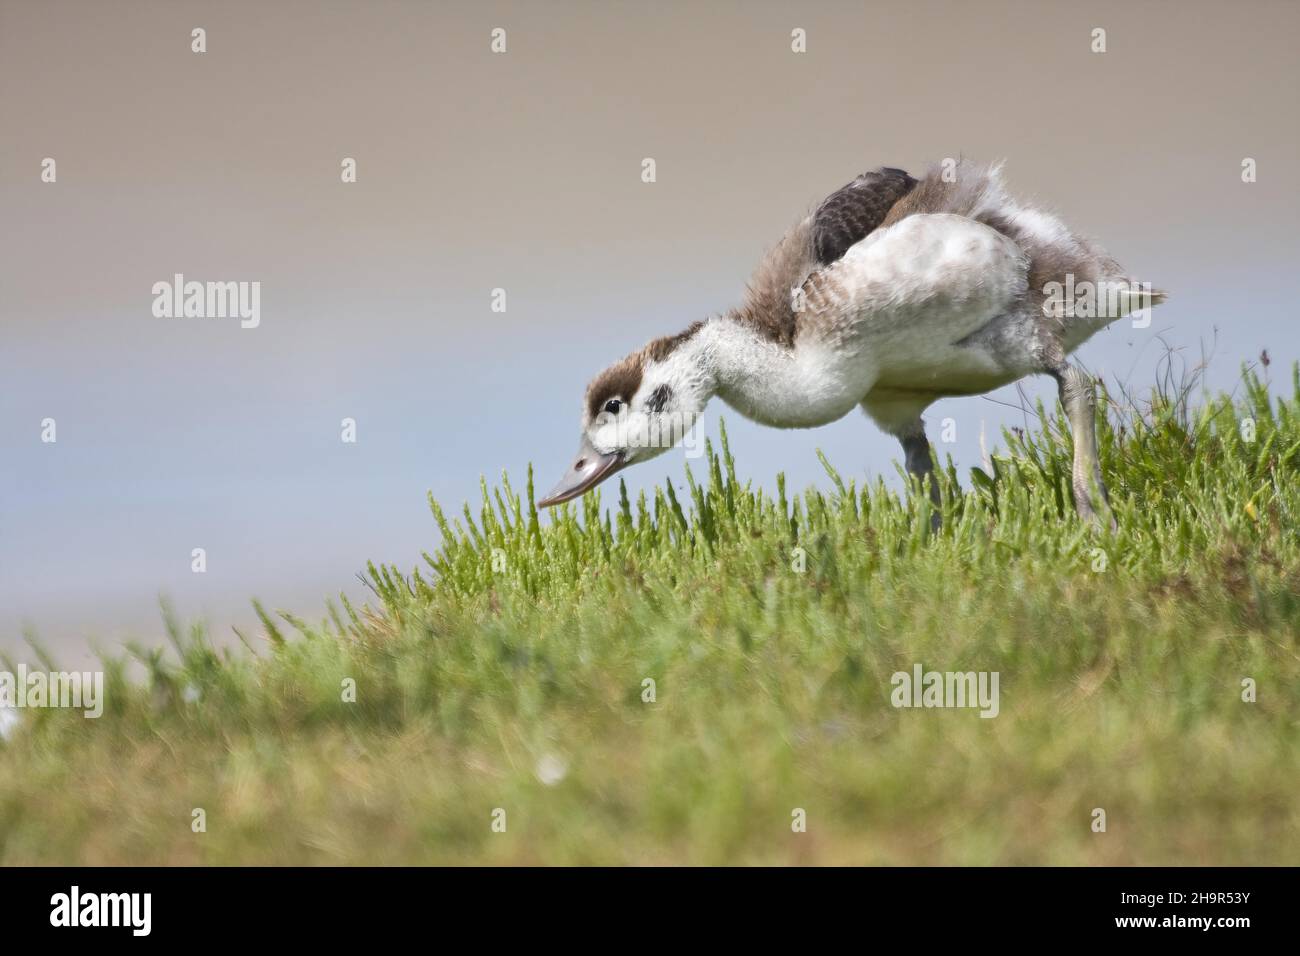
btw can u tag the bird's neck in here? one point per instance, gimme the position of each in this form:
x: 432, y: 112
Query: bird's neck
x: 721, y: 355
x: 754, y: 375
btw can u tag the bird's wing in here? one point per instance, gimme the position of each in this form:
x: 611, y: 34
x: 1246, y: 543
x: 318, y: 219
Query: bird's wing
x: 849, y: 215
x: 940, y: 276
x: 843, y: 219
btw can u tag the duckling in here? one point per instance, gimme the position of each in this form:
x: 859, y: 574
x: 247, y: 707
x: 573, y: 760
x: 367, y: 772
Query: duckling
x: 893, y: 293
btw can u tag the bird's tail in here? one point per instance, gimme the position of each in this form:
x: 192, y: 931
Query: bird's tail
x: 1132, y: 297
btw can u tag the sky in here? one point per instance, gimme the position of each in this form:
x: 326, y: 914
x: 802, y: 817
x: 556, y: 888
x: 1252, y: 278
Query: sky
x: 521, y: 170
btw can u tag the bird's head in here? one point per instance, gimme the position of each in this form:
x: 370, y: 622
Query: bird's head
x: 635, y: 410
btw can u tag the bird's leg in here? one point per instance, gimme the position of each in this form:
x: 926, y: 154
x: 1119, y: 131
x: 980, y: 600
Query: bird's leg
x: 920, y: 464
x: 1079, y: 399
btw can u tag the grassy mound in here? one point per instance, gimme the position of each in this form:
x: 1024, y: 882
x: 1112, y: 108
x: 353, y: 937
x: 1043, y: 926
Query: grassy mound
x: 673, y: 679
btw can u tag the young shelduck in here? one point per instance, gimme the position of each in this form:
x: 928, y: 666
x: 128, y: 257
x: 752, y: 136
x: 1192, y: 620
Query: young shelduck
x: 893, y: 293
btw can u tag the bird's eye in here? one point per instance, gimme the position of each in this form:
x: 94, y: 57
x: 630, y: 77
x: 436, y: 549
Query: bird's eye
x: 612, y: 406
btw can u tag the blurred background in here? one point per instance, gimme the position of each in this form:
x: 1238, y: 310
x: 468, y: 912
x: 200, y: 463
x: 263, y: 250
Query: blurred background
x: 522, y: 171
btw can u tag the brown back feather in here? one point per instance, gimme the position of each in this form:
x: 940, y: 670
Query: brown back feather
x: 849, y: 214
x: 843, y: 219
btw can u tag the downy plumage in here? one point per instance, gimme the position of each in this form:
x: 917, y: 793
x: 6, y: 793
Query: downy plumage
x: 893, y: 293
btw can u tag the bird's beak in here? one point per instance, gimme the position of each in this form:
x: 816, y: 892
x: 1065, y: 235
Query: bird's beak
x: 589, y: 469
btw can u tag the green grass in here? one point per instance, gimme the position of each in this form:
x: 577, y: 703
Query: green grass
x: 520, y: 651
